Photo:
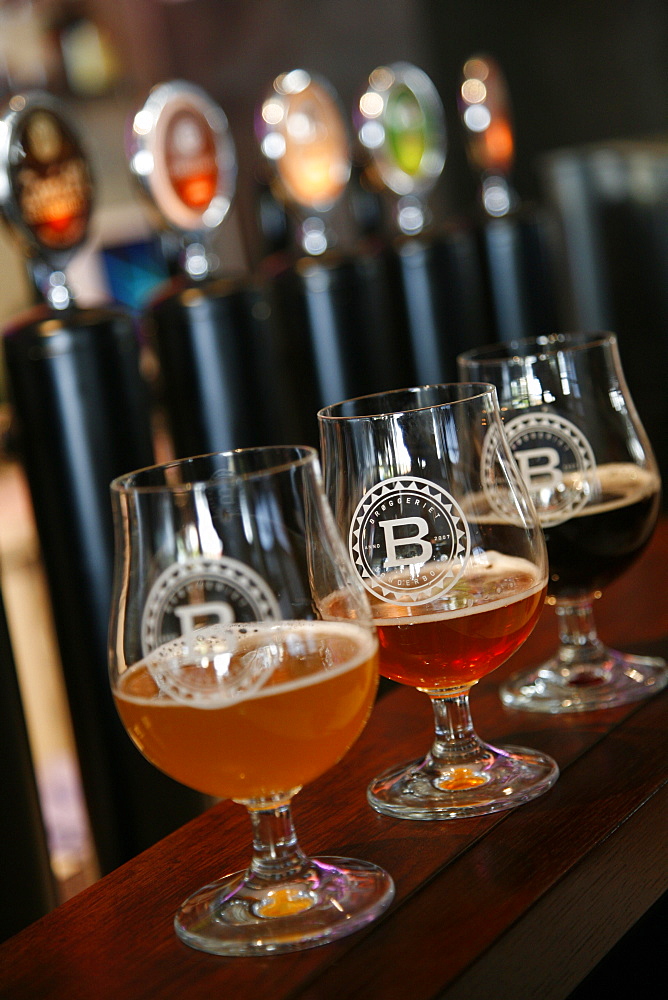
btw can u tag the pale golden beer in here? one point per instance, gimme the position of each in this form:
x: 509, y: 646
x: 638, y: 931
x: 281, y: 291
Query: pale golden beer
x: 316, y: 686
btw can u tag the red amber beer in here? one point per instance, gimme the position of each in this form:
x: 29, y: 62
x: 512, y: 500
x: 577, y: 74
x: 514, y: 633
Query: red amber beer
x: 491, y: 612
x: 455, y: 585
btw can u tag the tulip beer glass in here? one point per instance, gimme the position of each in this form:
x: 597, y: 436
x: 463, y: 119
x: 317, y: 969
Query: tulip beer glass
x: 453, y: 591
x: 228, y: 679
x: 584, y: 455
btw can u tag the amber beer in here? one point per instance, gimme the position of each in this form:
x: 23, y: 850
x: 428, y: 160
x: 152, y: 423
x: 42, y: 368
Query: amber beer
x: 489, y: 614
x: 600, y: 541
x: 317, y: 687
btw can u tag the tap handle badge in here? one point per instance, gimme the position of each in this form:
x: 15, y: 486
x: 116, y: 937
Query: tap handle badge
x: 46, y: 185
x: 180, y: 150
x: 401, y: 129
x: 486, y: 114
x: 303, y: 137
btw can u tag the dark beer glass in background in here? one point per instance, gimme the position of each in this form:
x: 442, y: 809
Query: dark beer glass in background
x: 591, y: 473
x: 453, y: 591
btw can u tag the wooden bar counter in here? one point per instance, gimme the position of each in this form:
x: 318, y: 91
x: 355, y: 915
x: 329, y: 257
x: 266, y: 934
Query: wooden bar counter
x: 518, y: 905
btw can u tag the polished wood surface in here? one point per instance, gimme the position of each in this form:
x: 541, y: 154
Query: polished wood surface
x: 521, y: 904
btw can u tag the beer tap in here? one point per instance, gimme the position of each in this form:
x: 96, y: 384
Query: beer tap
x: 517, y: 240
x: 333, y: 320
x: 401, y: 128
x: 82, y: 417
x: 206, y: 327
x: 181, y: 152
x: 304, y: 140
x: 46, y: 191
x: 433, y: 269
x: 486, y: 114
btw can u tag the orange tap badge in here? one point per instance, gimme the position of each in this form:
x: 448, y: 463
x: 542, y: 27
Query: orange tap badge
x: 181, y: 151
x: 190, y: 158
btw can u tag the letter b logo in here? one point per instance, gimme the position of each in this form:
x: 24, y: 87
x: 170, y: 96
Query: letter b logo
x: 412, y: 538
x: 539, y: 466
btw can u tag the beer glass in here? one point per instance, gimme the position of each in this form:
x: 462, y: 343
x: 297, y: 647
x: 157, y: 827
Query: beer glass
x: 582, y: 450
x: 227, y: 678
x: 453, y: 591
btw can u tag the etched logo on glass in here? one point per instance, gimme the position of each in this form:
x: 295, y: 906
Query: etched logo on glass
x: 191, y: 626
x: 409, y: 540
x: 201, y: 592
x: 555, y: 460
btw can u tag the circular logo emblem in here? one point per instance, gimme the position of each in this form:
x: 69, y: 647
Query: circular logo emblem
x: 555, y: 460
x: 409, y: 540
x: 190, y: 156
x: 203, y: 592
x: 51, y: 182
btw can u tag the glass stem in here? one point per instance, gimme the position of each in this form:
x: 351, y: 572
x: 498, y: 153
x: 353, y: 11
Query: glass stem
x: 456, y: 741
x: 277, y: 855
x: 579, y: 643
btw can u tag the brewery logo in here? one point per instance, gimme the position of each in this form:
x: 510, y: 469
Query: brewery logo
x: 196, y: 593
x: 555, y: 460
x: 409, y: 540
x: 190, y: 156
x: 52, y: 182
x: 205, y: 680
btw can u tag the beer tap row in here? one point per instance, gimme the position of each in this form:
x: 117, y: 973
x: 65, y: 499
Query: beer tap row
x: 362, y: 285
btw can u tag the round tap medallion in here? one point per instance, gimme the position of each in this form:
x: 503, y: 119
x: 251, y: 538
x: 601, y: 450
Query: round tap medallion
x: 196, y: 593
x: 555, y: 460
x: 409, y: 540
x: 180, y: 149
x: 303, y: 136
x: 46, y: 187
x: 401, y: 128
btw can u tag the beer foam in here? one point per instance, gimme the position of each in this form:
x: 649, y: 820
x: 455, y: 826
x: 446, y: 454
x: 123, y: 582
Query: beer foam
x: 476, y: 590
x: 257, y: 651
x: 631, y: 483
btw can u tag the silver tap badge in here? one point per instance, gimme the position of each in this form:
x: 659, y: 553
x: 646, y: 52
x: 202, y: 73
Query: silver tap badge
x: 46, y: 188
x: 181, y: 150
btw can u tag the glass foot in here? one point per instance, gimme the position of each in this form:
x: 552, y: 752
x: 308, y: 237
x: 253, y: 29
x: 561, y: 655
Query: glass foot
x: 243, y: 915
x: 614, y: 679
x: 428, y: 789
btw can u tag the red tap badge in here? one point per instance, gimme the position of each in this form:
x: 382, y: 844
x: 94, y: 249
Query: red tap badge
x: 181, y: 151
x: 190, y: 158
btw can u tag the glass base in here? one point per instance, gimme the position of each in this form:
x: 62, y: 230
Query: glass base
x: 614, y: 679
x: 501, y: 778
x: 243, y: 915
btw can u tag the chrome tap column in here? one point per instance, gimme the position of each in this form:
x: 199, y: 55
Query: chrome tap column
x: 333, y: 316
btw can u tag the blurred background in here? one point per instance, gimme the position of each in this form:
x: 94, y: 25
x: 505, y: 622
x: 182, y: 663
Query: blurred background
x: 589, y: 93
x: 575, y: 77
x: 589, y: 98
